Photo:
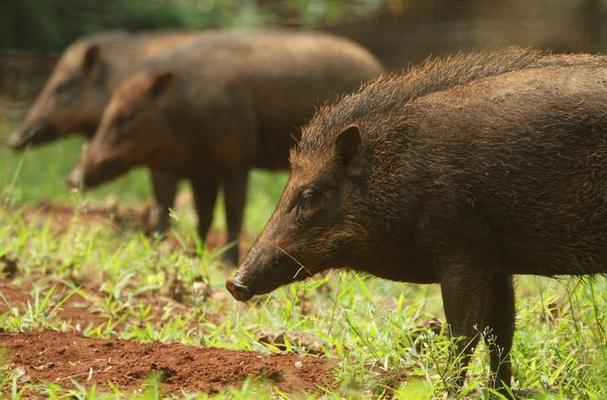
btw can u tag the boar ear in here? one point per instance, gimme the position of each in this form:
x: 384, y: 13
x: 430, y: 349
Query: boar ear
x: 160, y: 83
x: 347, y: 147
x: 91, y: 58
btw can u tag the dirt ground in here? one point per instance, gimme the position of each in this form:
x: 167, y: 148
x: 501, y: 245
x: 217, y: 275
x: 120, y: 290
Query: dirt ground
x: 65, y: 357
x: 60, y: 357
x: 77, y: 311
x: 82, y: 311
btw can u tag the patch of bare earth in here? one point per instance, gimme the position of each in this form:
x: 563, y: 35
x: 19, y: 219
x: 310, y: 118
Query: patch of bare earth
x: 81, y: 312
x: 63, y: 357
x: 76, y: 310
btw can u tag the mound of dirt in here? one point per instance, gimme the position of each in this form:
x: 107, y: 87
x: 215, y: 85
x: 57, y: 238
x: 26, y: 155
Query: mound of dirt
x: 63, y: 357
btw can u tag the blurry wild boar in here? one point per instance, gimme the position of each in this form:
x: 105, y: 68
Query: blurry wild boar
x: 213, y: 110
x: 458, y: 173
x: 80, y: 86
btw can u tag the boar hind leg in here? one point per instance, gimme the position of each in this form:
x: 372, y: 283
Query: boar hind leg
x: 165, y: 190
x: 235, y: 193
x: 205, y: 195
x: 466, y: 295
x: 500, y: 321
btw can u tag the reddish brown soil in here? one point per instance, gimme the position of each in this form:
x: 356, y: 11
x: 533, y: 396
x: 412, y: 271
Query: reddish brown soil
x: 61, y: 357
x: 80, y: 312
x: 14, y: 296
x: 77, y: 310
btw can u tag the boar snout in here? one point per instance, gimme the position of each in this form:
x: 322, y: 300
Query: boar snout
x: 19, y: 140
x: 25, y: 136
x: 262, y: 273
x: 14, y: 141
x: 238, y: 291
x: 98, y: 172
x: 76, y: 178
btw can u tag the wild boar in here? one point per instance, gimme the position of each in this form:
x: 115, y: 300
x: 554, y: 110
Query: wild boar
x: 80, y: 86
x: 213, y: 110
x: 456, y: 173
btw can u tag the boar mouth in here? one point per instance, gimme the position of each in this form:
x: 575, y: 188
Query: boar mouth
x: 261, y: 280
x: 238, y: 291
x: 105, y: 171
x: 244, y: 293
x: 32, y: 136
x: 76, y: 179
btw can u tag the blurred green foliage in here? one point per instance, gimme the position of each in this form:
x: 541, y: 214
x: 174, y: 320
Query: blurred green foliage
x: 50, y: 25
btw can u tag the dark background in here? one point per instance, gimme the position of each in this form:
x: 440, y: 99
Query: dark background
x: 399, y: 32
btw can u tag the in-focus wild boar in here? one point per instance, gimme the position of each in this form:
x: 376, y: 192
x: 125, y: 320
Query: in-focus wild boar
x: 456, y: 173
x: 80, y: 86
x: 214, y: 109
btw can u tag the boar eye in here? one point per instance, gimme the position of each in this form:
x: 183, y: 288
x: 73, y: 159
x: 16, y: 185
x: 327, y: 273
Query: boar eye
x: 126, y: 118
x: 308, y: 196
x: 121, y: 130
x: 306, y: 200
x: 65, y: 86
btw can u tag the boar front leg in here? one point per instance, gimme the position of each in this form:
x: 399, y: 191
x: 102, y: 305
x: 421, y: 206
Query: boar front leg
x: 466, y: 297
x: 235, y: 194
x: 165, y: 189
x: 205, y: 195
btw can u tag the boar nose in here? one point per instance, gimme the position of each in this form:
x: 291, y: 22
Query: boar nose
x: 15, y: 142
x: 32, y: 134
x: 75, y: 180
x: 238, y: 291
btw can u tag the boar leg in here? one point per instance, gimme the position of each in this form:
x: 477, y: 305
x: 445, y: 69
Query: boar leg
x: 205, y: 195
x: 500, y: 320
x: 165, y: 190
x: 235, y: 193
x: 466, y: 294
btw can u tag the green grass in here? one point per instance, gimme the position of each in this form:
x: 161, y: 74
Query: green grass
x: 374, y: 329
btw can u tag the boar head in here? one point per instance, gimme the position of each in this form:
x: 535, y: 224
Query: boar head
x: 134, y: 129
x: 71, y: 101
x: 319, y: 223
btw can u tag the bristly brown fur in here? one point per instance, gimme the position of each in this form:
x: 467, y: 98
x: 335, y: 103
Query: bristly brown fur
x: 387, y: 94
